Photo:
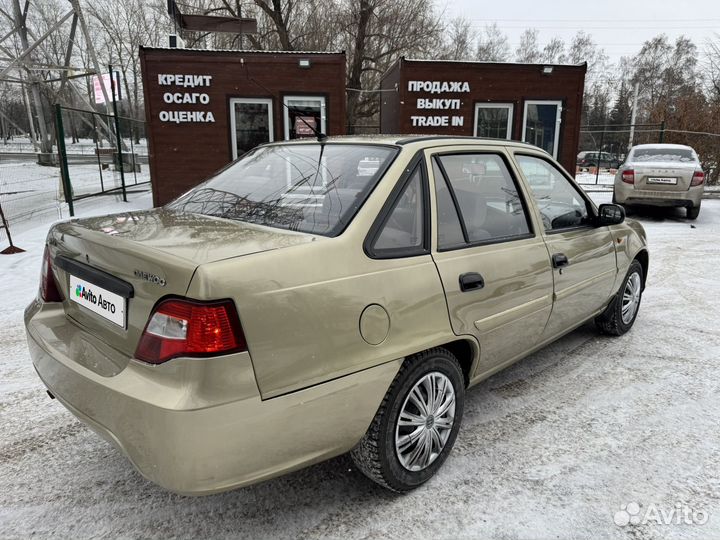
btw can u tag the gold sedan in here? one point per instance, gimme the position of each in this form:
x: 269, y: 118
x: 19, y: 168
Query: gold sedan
x: 316, y: 298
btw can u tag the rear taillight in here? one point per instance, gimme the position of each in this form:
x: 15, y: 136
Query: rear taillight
x: 49, y: 291
x: 698, y: 178
x: 179, y: 327
x: 628, y: 176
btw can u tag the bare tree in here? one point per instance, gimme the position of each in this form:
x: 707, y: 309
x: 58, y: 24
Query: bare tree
x: 459, y: 41
x: 375, y: 34
x: 492, y: 45
x: 712, y: 64
x: 529, y: 48
x: 554, y: 52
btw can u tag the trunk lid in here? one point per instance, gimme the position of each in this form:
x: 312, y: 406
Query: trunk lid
x: 664, y: 176
x: 156, y: 252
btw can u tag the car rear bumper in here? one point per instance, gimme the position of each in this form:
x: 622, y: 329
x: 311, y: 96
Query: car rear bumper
x: 199, y: 426
x: 628, y: 194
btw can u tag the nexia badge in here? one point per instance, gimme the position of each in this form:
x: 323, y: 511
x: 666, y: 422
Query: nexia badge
x: 150, y: 278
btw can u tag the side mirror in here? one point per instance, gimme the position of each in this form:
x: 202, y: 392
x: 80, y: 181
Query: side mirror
x: 610, y: 214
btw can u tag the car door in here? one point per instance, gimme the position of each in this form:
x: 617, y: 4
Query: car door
x: 492, y: 261
x: 582, y: 255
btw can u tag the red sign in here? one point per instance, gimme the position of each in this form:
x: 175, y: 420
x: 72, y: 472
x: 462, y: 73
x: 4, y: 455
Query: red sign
x: 305, y: 126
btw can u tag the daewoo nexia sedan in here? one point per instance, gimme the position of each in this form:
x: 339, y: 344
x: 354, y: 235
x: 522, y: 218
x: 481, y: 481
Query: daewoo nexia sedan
x: 316, y: 298
x: 661, y: 175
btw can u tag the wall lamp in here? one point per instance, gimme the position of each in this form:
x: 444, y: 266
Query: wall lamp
x: 304, y: 63
x: 547, y: 70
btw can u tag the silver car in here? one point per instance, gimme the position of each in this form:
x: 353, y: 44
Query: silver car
x: 661, y: 175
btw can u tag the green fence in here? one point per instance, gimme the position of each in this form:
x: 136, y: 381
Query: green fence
x: 100, y: 154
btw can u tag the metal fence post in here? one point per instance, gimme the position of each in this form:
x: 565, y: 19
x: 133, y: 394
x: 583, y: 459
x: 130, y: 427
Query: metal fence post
x: 62, y: 156
x: 662, y: 132
x: 597, y: 169
x: 118, y: 138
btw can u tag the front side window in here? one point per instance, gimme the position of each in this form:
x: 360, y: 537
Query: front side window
x: 484, y: 195
x: 560, y: 203
x: 313, y: 188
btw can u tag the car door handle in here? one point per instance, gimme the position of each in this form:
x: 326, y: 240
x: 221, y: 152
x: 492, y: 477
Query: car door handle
x: 471, y: 281
x: 559, y: 260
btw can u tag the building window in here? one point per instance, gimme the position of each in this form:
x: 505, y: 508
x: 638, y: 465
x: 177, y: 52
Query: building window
x: 303, y: 116
x: 494, y: 120
x: 541, y: 125
x: 251, y: 124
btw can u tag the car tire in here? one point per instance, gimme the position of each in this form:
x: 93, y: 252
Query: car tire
x: 616, y: 319
x: 693, y: 212
x: 386, y: 451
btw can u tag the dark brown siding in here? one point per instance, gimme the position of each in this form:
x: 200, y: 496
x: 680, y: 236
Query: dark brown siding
x: 183, y: 154
x: 390, y: 104
x: 508, y: 83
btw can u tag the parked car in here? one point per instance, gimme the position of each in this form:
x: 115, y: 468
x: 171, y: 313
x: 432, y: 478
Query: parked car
x: 604, y: 160
x: 661, y: 175
x: 238, y: 333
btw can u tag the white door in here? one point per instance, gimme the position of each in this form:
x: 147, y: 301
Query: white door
x: 303, y: 116
x: 251, y: 124
x: 541, y: 124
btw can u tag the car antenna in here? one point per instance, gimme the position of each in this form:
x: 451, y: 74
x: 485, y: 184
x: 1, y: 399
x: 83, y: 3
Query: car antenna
x: 319, y: 135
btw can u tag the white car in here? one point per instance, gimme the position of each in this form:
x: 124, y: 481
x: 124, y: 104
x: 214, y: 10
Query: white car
x: 661, y: 175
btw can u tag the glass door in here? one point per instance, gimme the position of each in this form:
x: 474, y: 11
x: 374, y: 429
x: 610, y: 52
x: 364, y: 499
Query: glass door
x: 251, y: 124
x: 304, y: 115
x: 541, y: 125
x: 494, y: 120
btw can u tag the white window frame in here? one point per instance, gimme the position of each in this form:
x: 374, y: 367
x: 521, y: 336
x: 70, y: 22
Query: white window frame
x: 558, y: 119
x: 286, y: 112
x: 509, y: 106
x: 233, y: 131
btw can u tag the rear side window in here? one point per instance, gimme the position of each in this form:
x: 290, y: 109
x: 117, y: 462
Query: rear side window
x: 402, y: 232
x: 477, y: 192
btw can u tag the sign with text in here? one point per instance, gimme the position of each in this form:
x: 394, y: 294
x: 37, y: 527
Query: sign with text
x: 305, y: 126
x: 104, y: 80
x: 188, y: 90
x: 438, y: 103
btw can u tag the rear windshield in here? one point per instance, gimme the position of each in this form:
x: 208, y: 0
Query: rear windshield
x: 682, y: 155
x: 313, y: 188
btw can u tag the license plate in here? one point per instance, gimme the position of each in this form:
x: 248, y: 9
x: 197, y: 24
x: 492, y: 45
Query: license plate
x: 107, y: 304
x: 661, y: 180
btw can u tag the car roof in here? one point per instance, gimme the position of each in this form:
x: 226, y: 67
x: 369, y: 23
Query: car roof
x: 664, y: 145
x: 403, y: 140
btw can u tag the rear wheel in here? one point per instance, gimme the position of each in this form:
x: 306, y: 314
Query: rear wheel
x: 417, y: 422
x: 693, y: 212
x: 620, y: 315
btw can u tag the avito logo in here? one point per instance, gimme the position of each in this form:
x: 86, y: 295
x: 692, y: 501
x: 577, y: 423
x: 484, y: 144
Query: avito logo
x: 89, y: 296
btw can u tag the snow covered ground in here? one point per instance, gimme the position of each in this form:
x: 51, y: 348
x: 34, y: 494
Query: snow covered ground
x: 31, y: 193
x: 556, y: 446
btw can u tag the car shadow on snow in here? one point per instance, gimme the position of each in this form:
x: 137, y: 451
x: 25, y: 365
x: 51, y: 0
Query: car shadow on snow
x: 331, y: 492
x: 658, y: 214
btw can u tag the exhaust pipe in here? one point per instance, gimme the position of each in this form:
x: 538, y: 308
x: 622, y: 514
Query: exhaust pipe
x: 49, y: 393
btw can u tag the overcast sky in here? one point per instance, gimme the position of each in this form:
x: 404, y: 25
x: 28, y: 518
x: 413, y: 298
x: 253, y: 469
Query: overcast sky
x: 618, y: 26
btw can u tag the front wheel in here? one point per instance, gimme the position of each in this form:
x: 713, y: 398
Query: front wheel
x: 417, y: 422
x: 620, y: 315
